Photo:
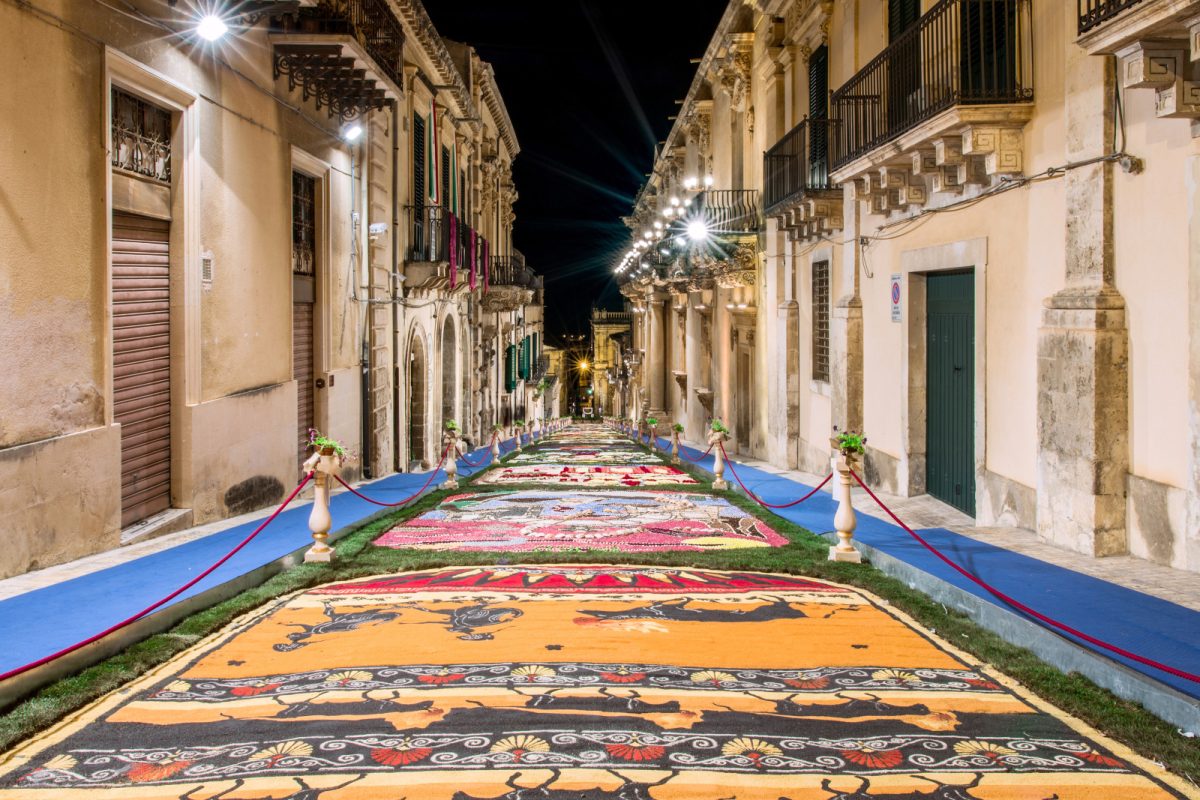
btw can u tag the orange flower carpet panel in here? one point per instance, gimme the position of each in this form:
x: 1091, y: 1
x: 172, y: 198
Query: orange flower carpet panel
x: 598, y: 475
x: 625, y: 520
x: 576, y: 683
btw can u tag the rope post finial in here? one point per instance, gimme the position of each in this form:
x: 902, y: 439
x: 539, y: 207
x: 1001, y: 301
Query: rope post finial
x: 674, y: 445
x: 844, y: 519
x: 451, y: 459
x: 495, y: 448
x: 324, y: 465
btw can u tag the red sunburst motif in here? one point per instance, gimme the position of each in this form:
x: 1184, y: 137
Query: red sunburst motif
x: 251, y: 691
x: 396, y: 757
x: 439, y: 679
x: 1100, y: 758
x: 144, y: 772
x: 635, y: 752
x: 980, y: 683
x: 875, y: 759
x: 623, y: 677
x: 807, y: 683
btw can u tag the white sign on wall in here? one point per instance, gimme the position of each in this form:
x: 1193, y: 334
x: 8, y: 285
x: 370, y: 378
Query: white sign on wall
x: 895, y: 297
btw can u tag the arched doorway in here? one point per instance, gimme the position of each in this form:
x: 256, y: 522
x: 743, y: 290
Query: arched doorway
x: 417, y: 390
x: 449, y: 372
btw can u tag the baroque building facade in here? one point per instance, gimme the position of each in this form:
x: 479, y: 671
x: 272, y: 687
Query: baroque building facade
x: 965, y: 227
x: 219, y: 245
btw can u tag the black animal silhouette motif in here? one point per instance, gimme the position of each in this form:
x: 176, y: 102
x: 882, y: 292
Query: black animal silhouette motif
x: 628, y: 790
x: 305, y: 792
x: 606, y: 702
x: 465, y: 619
x: 865, y: 709
x: 941, y: 791
x: 337, y: 623
x: 678, y: 611
x: 367, y: 707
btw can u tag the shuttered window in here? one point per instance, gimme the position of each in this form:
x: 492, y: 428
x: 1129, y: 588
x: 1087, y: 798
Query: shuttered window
x: 418, y: 165
x: 446, y: 173
x: 902, y: 15
x: 510, y: 368
x: 523, y: 370
x: 820, y: 321
x: 818, y: 109
x: 141, y: 322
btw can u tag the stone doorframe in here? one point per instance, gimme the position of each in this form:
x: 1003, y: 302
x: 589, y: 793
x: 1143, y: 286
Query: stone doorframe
x: 914, y: 266
x: 183, y: 208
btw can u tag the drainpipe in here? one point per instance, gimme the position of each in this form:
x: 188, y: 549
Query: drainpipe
x: 394, y: 271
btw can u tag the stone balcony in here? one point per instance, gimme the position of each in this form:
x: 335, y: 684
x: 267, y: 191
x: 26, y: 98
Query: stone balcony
x: 937, y: 112
x: 797, y: 189
x: 1155, y: 42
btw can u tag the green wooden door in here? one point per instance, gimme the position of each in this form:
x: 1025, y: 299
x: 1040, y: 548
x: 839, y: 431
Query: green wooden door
x: 950, y: 365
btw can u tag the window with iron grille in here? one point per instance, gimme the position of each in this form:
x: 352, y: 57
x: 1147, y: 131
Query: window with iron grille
x: 820, y: 321
x: 141, y: 136
x: 446, y: 177
x: 304, y: 228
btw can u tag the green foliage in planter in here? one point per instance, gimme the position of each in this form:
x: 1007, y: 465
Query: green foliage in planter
x: 850, y: 442
x: 319, y: 442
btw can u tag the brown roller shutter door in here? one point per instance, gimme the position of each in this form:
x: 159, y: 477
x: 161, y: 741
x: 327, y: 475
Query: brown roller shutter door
x: 302, y: 371
x: 142, y: 362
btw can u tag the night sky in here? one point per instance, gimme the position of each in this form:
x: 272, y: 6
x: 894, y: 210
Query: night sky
x: 590, y: 87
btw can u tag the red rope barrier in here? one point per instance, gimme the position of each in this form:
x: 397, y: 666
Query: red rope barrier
x: 759, y: 500
x: 130, y: 620
x: 408, y: 499
x: 483, y: 460
x: 698, y: 458
x: 1017, y: 604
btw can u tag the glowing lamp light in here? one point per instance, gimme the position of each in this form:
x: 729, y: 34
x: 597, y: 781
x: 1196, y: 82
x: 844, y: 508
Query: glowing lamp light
x: 680, y: 240
x: 697, y: 231
x: 211, y: 27
x: 647, y: 235
x: 664, y: 251
x: 674, y: 201
x: 352, y: 131
x: 708, y: 180
x: 690, y: 182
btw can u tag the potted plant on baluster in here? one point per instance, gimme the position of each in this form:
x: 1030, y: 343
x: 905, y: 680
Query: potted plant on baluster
x: 651, y: 430
x: 851, y: 444
x: 324, y: 445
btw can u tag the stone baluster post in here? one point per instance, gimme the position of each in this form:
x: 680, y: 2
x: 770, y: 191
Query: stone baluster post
x: 324, y: 465
x: 717, y: 439
x: 844, y: 519
x: 450, y: 441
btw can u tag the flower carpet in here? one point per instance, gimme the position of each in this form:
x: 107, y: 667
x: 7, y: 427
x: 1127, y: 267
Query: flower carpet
x: 597, y: 475
x: 631, y: 521
x: 575, y: 683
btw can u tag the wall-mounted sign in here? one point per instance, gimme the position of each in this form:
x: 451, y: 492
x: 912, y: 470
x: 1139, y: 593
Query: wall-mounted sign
x: 895, y: 298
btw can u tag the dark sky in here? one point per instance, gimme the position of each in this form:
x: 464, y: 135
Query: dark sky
x: 590, y: 85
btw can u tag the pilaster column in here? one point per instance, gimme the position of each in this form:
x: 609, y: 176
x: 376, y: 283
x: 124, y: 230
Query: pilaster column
x: 846, y: 330
x: 1083, y: 344
x: 656, y: 343
x: 1192, y: 486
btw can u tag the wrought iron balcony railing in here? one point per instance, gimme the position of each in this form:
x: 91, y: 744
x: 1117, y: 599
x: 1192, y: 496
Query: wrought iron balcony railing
x: 961, y: 52
x: 369, y: 22
x: 510, y: 270
x: 798, y: 164
x: 729, y: 211
x: 1093, y: 13
x: 429, y: 233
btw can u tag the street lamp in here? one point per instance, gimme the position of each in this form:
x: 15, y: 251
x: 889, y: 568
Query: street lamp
x: 211, y: 27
